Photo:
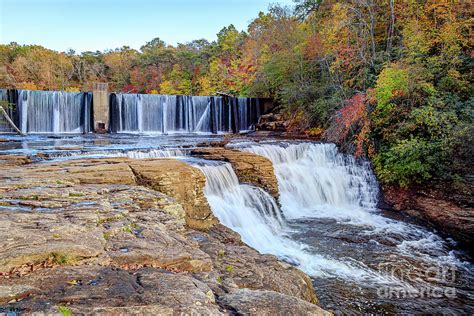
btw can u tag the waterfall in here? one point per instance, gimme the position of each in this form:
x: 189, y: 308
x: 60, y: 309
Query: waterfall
x: 314, y: 179
x: 166, y: 114
x: 54, y: 112
x: 258, y: 220
x: 326, y: 194
x: 254, y: 214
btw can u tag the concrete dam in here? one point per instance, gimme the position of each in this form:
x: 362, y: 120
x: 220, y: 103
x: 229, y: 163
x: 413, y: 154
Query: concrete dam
x: 59, y: 112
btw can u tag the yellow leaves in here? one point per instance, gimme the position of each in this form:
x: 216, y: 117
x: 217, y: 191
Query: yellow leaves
x: 166, y: 87
x: 72, y: 89
x: 392, y: 82
x: 73, y: 282
x: 27, y: 86
x: 334, y: 30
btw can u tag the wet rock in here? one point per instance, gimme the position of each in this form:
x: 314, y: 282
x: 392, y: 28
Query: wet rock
x: 240, y: 266
x: 7, y: 160
x: 430, y: 206
x: 250, y: 168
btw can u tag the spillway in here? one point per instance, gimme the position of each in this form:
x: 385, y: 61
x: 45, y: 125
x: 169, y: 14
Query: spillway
x: 54, y: 112
x: 168, y: 114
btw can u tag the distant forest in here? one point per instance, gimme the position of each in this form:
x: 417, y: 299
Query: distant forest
x: 391, y: 80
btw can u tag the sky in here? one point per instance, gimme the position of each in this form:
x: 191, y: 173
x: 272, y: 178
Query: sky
x: 89, y: 25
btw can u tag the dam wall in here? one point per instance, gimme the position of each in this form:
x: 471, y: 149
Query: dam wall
x: 60, y: 112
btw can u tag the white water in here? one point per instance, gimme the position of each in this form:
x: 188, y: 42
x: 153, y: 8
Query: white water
x: 54, y: 112
x: 315, y: 181
x: 134, y: 154
x: 255, y: 215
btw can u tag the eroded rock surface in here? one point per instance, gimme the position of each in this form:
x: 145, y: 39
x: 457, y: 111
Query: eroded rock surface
x: 440, y: 212
x: 249, y: 168
x: 122, y: 236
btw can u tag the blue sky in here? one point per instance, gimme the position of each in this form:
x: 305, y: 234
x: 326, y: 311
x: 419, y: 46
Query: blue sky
x: 106, y: 24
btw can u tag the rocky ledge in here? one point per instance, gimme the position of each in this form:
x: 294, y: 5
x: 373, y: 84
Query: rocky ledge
x: 449, y: 215
x: 121, y: 236
x: 249, y: 168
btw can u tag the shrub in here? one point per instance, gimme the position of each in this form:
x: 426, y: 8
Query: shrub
x: 408, y: 161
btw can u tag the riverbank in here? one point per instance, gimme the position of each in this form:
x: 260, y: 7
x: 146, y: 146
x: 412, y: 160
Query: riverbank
x: 115, y: 235
x: 302, y: 203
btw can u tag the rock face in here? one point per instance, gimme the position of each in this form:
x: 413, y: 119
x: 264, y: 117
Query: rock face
x: 272, y: 122
x: 250, y: 168
x: 443, y: 214
x: 168, y: 178
x: 121, y: 236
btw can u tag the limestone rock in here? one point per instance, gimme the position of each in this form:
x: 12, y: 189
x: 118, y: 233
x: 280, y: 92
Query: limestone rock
x: 250, y: 168
x: 180, y: 181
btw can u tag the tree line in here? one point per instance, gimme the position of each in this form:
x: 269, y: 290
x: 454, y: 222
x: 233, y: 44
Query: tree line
x: 386, y: 79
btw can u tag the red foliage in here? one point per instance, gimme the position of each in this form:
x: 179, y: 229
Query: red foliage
x: 129, y: 89
x: 353, y: 119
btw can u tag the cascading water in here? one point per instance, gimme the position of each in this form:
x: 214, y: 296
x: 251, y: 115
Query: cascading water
x: 259, y: 220
x: 54, y: 112
x: 249, y: 113
x: 149, y: 113
x: 333, y: 231
x: 143, y: 113
x: 314, y: 179
x: 134, y: 154
x: 255, y: 215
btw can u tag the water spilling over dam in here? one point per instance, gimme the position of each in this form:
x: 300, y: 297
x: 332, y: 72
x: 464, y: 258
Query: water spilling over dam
x: 54, y: 112
x: 58, y: 112
x: 148, y: 113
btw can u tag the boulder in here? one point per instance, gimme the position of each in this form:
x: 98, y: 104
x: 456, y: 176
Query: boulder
x: 437, y: 210
x: 180, y: 181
